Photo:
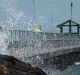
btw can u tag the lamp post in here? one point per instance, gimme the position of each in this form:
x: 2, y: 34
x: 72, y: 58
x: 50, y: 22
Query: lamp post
x: 71, y: 10
x: 33, y: 11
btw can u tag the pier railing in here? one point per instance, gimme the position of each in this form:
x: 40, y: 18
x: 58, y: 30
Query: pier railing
x: 26, y: 41
x: 19, y: 39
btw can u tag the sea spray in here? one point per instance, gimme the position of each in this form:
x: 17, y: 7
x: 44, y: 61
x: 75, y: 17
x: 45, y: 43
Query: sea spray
x: 3, y: 43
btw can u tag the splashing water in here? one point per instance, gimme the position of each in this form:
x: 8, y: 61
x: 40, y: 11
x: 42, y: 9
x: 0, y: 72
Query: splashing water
x: 3, y: 43
x: 15, y: 20
x: 77, y: 63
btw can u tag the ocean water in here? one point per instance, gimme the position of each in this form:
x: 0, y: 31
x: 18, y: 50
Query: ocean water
x: 67, y: 64
x: 71, y: 70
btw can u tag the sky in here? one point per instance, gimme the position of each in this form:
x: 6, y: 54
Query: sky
x: 18, y: 14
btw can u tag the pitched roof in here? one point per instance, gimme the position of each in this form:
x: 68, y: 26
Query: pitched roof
x: 67, y: 23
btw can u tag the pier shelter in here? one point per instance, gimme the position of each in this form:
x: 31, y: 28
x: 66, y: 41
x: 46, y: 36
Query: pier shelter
x: 70, y: 24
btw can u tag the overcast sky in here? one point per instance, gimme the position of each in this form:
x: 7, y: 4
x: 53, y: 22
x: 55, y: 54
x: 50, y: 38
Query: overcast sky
x: 17, y: 14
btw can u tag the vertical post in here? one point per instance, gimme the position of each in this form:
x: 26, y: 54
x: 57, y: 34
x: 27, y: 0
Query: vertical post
x: 61, y: 28
x: 78, y: 29
x: 70, y: 26
x: 71, y: 10
x: 33, y: 17
x: 11, y: 34
x: 33, y: 10
x: 15, y: 34
x: 51, y: 19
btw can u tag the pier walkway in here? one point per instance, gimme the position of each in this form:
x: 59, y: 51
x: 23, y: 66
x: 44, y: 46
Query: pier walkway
x: 27, y: 52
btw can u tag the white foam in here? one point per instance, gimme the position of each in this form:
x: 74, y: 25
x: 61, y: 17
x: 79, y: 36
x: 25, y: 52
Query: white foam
x: 77, y: 63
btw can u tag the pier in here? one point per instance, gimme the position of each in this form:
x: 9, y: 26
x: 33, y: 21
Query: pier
x: 28, y: 43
